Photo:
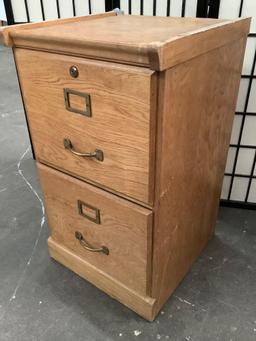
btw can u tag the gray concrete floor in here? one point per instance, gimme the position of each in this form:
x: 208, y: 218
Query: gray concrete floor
x: 42, y: 300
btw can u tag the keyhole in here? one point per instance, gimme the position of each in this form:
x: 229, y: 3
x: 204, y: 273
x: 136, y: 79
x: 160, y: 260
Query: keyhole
x: 73, y: 71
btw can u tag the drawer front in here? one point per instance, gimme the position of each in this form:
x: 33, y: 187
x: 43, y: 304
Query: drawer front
x: 110, y: 233
x: 104, y: 109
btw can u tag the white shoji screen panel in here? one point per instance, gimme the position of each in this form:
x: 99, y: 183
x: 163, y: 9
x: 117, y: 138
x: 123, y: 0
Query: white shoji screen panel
x: 2, y: 11
x: 175, y: 8
x: 240, y: 175
x: 38, y: 10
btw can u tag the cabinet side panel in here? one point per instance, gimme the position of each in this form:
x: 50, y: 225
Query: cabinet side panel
x: 196, y: 109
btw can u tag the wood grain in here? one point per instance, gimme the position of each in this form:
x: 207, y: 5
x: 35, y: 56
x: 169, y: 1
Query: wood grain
x: 162, y: 42
x: 6, y: 32
x: 122, y: 125
x: 198, y: 42
x: 196, y: 110
x: 142, y: 305
x: 125, y: 228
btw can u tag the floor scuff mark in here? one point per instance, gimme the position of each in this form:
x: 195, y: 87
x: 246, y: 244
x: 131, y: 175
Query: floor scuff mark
x: 185, y: 301
x: 188, y: 303
x: 20, y: 172
x: 7, y: 114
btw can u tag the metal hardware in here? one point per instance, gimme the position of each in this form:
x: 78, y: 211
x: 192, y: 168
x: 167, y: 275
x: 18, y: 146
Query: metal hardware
x: 98, y: 154
x: 73, y: 70
x: 87, y: 112
x: 81, y: 211
x: 118, y: 11
x: 89, y: 247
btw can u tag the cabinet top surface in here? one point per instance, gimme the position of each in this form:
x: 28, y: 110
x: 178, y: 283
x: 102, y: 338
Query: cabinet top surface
x: 122, y: 34
x: 125, y: 29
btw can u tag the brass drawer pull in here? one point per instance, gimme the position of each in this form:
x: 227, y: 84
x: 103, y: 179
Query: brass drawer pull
x: 88, y: 247
x: 98, y: 154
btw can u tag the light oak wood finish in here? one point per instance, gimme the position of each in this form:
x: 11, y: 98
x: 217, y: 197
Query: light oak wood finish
x: 7, y: 32
x: 124, y: 228
x: 123, y: 100
x: 165, y: 136
x: 196, y: 110
x: 161, y: 43
x: 142, y: 305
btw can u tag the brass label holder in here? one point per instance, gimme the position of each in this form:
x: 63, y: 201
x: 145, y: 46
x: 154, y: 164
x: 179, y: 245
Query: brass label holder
x: 87, y: 112
x: 82, y: 206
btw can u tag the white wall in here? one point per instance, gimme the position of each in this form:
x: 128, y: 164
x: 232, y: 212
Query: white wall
x: 2, y: 11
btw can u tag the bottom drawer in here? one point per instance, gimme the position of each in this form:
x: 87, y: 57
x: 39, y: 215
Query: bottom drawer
x: 111, y: 233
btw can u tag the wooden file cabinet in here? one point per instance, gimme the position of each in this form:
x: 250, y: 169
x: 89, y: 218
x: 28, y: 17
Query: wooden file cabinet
x: 130, y: 119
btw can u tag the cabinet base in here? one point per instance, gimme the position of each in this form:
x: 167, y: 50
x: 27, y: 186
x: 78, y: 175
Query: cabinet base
x: 143, y: 306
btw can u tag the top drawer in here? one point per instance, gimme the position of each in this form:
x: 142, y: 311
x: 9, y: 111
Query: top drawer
x: 101, y: 108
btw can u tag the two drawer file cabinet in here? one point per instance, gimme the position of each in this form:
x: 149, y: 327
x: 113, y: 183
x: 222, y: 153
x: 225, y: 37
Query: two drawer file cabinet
x: 130, y: 119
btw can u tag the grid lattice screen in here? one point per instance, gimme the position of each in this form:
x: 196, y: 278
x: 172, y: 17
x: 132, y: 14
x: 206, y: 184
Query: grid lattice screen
x: 240, y: 174
x: 160, y: 7
x: 37, y: 10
